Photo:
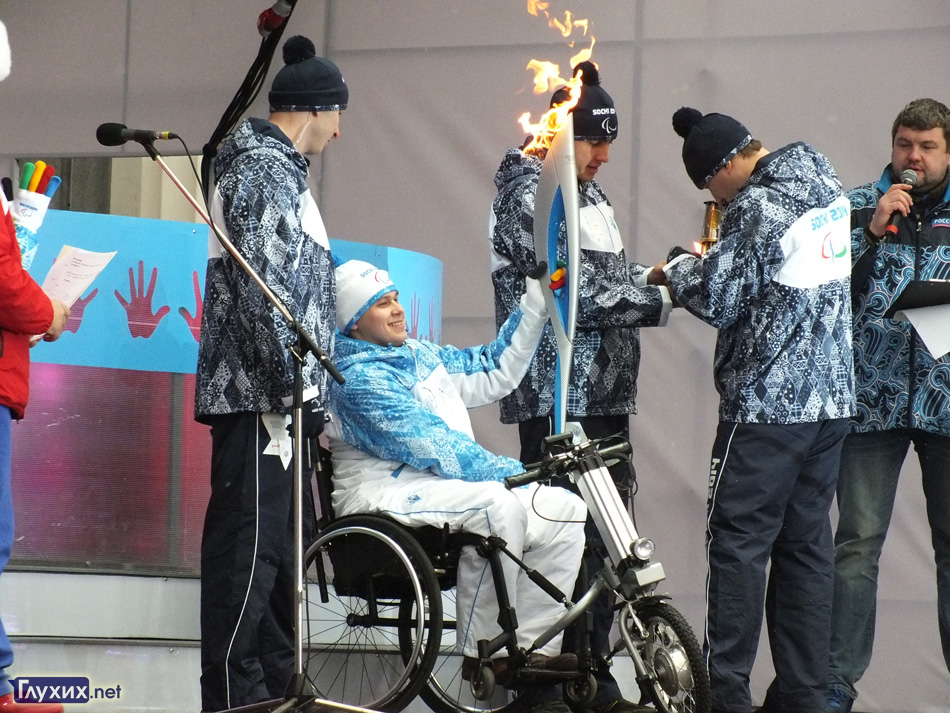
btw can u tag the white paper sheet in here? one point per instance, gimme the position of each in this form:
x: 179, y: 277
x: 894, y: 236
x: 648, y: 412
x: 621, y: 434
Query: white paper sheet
x: 933, y: 326
x: 72, y: 272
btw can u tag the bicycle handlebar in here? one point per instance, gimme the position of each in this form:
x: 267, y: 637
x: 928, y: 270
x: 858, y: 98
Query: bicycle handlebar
x: 529, y: 476
x: 564, y: 462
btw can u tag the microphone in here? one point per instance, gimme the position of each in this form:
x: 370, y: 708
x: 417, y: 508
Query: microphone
x: 112, y: 134
x: 910, y: 178
x: 273, y: 17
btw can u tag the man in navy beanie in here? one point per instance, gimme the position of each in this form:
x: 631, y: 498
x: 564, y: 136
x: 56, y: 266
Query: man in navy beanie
x: 245, y: 377
x: 615, y: 300
x: 777, y: 287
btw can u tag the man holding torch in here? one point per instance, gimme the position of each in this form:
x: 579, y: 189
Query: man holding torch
x: 614, y: 300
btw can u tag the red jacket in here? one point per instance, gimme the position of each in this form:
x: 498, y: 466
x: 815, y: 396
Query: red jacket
x: 25, y: 310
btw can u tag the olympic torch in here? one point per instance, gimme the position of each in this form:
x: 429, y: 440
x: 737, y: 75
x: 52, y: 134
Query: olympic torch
x: 556, y: 201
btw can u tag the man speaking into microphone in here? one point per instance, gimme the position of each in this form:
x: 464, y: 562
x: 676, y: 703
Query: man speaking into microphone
x: 900, y: 232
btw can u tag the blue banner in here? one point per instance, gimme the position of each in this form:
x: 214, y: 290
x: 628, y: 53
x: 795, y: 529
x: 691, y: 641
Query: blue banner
x: 142, y: 311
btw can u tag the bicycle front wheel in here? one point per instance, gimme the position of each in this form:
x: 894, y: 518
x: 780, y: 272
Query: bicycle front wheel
x: 677, y: 678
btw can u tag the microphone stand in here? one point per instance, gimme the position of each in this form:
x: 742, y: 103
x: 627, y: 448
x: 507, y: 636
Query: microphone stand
x: 301, y: 696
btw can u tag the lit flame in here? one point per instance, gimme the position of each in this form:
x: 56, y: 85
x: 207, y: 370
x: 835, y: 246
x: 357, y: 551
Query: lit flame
x: 584, y: 54
x: 552, y: 121
x: 547, y: 78
x: 535, y: 5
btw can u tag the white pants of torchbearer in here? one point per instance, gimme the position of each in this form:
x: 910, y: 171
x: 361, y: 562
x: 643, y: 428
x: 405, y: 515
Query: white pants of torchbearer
x: 542, y: 525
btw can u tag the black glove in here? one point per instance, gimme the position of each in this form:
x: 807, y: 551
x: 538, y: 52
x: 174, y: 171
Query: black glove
x: 675, y: 252
x: 312, y: 425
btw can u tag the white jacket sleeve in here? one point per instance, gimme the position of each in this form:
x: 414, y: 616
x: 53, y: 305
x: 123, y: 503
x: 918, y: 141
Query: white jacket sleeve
x: 485, y: 374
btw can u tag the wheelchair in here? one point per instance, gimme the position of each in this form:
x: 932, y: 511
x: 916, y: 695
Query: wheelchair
x: 380, y: 618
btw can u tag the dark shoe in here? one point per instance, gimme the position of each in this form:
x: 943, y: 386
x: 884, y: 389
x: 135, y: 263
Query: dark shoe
x: 619, y: 705
x: 470, y: 666
x: 548, y: 707
x: 839, y: 701
x: 561, y: 662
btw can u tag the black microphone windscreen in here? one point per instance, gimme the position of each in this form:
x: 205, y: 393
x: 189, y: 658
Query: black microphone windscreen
x: 909, y: 177
x: 110, y: 134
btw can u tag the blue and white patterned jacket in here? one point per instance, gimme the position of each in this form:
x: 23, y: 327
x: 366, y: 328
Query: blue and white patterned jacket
x: 404, y: 410
x: 777, y: 287
x: 613, y: 299
x: 899, y: 384
x: 262, y: 203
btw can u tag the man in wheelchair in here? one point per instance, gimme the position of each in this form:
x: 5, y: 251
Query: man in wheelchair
x: 402, y: 445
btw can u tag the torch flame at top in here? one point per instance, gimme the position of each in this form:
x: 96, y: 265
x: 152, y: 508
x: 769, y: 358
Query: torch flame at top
x: 584, y: 54
x: 535, y: 5
x: 547, y: 78
x: 552, y: 121
x: 565, y: 27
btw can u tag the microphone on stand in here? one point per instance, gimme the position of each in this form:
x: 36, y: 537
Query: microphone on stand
x: 910, y: 178
x: 273, y: 17
x: 112, y: 134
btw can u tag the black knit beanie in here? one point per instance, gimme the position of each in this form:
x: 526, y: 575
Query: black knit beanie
x: 711, y: 141
x: 595, y: 118
x: 307, y: 82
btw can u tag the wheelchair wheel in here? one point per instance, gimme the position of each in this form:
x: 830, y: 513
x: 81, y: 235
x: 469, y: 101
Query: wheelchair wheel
x: 445, y: 690
x: 366, y: 580
x: 679, y: 682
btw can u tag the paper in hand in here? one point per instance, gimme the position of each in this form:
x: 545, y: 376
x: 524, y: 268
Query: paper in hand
x: 72, y: 272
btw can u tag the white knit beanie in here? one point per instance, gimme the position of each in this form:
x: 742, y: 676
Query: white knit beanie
x: 358, y: 286
x: 4, y: 53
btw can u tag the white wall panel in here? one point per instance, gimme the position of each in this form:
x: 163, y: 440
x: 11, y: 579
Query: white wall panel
x: 436, y: 89
x: 375, y: 25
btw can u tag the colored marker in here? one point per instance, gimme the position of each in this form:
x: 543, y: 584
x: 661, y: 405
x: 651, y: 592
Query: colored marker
x: 37, y: 175
x: 52, y: 186
x: 8, y: 188
x: 44, y: 181
x: 25, y: 175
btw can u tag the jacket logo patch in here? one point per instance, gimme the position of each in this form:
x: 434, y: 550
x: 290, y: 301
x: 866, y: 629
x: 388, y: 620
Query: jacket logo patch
x: 941, y: 223
x: 830, y: 251
x: 817, y: 247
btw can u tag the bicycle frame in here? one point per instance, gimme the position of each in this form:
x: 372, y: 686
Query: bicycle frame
x: 612, y: 520
x: 632, y: 577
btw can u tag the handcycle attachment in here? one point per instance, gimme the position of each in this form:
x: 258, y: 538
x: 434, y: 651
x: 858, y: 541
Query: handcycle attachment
x: 586, y: 465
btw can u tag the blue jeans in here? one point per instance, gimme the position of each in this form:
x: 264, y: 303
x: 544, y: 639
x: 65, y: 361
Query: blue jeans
x: 870, y: 467
x: 6, y: 534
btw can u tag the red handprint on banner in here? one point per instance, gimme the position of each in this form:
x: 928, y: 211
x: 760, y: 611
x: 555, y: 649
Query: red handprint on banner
x: 142, y: 321
x: 194, y: 323
x: 76, y: 312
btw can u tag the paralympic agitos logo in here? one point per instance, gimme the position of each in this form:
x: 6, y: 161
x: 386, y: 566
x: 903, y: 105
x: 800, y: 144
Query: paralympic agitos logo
x: 831, y: 251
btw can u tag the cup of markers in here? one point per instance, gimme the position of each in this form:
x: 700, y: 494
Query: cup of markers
x: 39, y: 178
x: 30, y: 203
